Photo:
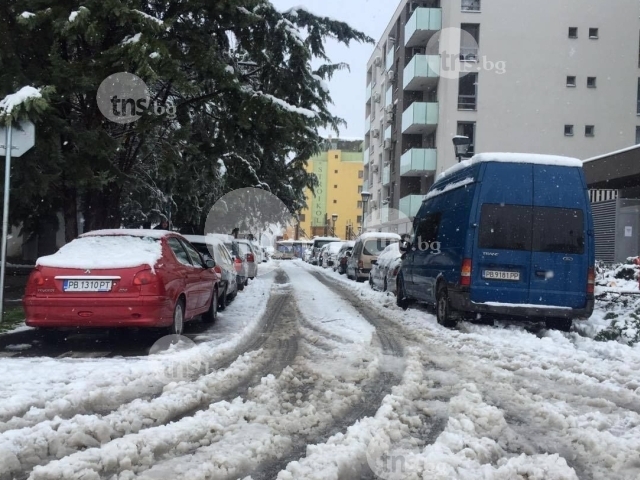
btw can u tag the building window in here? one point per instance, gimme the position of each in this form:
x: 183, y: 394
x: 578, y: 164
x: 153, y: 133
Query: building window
x: 469, y: 42
x: 468, y: 92
x: 591, y: 82
x: 571, y: 81
x: 336, y: 171
x: 360, y: 189
x: 573, y: 32
x: 335, y: 186
x: 593, y: 33
x: 470, y: 5
x: 638, y: 107
x: 468, y: 129
x: 359, y: 204
x: 337, y: 156
x: 637, y: 135
x: 301, y: 217
x: 568, y: 130
x: 359, y: 219
x: 335, y: 201
x: 360, y: 173
x: 589, y: 131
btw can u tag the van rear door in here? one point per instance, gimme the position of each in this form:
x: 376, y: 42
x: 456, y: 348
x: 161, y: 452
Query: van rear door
x: 560, y: 260
x: 501, y: 258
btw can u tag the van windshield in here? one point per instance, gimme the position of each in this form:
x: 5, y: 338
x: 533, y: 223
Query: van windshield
x: 539, y: 229
x: 376, y: 246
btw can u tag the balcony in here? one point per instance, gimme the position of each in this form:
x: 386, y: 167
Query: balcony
x: 418, y: 162
x: 410, y: 205
x: 368, y: 93
x: 365, y: 158
x: 367, y: 125
x: 422, y: 25
x: 388, y: 98
x: 386, y: 176
x: 387, y: 133
x: 420, y: 117
x: 422, y: 73
x: 365, y: 186
x: 384, y: 214
x: 390, y: 59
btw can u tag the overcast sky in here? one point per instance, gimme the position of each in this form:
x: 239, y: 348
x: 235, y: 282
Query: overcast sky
x: 348, y: 88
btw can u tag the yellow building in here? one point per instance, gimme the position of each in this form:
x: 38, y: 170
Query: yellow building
x: 340, y: 175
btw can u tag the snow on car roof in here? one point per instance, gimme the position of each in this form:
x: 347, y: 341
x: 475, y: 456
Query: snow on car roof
x: 368, y: 235
x: 222, y: 236
x: 334, y: 247
x: 210, y: 239
x: 96, y: 251
x: 533, y: 158
x: 326, y: 238
x: 131, y: 232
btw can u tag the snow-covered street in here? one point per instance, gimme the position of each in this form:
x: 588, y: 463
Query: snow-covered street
x: 308, y: 375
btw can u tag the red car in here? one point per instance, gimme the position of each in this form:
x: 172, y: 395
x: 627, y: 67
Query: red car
x: 122, y: 278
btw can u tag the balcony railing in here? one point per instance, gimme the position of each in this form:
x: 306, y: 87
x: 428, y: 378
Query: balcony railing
x: 388, y: 98
x: 410, y: 205
x: 367, y: 125
x: 422, y: 72
x: 420, y: 117
x: 368, y: 93
x: 467, y: 102
x: 424, y: 22
x: 365, y: 157
x: 386, y: 176
x: 468, y: 54
x: 418, y: 162
x: 384, y: 214
x: 365, y: 186
x: 390, y: 59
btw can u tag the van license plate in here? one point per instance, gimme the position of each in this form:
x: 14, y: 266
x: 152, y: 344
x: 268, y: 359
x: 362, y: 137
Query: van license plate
x: 501, y: 275
x: 87, y: 285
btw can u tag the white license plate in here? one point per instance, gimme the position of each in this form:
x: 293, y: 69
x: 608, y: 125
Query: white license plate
x: 501, y: 275
x: 87, y: 285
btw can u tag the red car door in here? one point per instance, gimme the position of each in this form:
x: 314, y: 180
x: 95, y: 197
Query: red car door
x: 189, y: 275
x: 203, y: 277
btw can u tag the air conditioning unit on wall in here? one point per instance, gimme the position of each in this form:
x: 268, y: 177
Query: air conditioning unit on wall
x: 375, y: 133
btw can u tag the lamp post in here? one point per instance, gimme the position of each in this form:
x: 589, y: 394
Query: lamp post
x: 461, y: 146
x: 334, y: 218
x: 365, y: 199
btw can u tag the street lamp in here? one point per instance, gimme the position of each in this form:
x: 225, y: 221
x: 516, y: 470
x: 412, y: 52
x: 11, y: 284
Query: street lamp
x: 461, y: 145
x: 365, y: 199
x: 334, y: 217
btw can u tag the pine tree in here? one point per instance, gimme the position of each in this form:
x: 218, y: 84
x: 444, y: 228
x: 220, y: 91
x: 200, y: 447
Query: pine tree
x: 249, y: 105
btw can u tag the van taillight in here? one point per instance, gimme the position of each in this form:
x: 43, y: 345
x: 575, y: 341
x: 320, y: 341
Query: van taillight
x: 144, y: 277
x: 591, y: 281
x: 465, y: 273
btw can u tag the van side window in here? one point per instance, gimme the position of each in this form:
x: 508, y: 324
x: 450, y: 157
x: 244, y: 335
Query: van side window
x: 427, y: 229
x: 505, y: 227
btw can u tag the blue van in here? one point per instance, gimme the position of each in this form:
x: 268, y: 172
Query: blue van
x: 503, y: 235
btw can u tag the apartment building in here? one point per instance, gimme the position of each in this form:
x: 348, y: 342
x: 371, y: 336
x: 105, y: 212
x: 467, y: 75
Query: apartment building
x: 538, y: 77
x: 340, y: 173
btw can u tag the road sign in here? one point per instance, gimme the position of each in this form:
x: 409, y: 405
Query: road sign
x: 23, y: 139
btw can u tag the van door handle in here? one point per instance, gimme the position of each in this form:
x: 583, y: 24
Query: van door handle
x: 541, y: 273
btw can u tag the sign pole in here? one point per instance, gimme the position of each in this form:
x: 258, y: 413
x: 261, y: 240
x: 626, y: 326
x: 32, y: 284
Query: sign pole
x: 5, y: 216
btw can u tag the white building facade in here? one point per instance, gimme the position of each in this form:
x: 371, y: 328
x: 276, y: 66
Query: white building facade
x: 538, y: 77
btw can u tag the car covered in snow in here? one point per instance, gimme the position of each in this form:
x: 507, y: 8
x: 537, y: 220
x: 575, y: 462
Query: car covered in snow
x: 365, y: 253
x: 385, y: 270
x: 239, y: 260
x: 330, y: 254
x: 213, y: 247
x: 504, y: 234
x: 122, y: 278
x: 318, y: 243
x: 343, y: 256
x: 248, y: 252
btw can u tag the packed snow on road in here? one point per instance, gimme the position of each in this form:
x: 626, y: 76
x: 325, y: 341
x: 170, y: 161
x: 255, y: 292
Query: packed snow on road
x: 310, y: 375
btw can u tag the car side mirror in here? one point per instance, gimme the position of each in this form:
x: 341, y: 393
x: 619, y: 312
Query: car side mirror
x: 404, y: 247
x: 374, y: 262
x: 209, y: 263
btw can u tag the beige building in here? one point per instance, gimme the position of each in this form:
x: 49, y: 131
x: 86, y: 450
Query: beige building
x: 537, y: 77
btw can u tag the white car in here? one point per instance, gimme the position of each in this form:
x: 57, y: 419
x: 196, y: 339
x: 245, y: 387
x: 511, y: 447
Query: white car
x: 385, y: 270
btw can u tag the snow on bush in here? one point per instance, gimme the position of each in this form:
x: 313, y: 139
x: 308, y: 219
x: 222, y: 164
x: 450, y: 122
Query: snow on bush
x: 616, y: 307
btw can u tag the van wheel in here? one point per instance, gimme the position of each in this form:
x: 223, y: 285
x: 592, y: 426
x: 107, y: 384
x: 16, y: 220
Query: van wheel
x: 443, y: 309
x: 401, y: 296
x: 561, y: 324
x: 177, y: 326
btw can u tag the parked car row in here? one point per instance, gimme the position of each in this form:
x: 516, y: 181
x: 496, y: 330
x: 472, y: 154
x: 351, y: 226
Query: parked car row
x: 138, y: 278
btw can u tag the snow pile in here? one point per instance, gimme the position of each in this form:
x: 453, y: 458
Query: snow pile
x: 449, y: 187
x: 132, y: 39
x: 74, y: 14
x: 105, y: 251
x: 146, y: 16
x: 16, y: 99
x: 27, y: 14
x: 376, y: 235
